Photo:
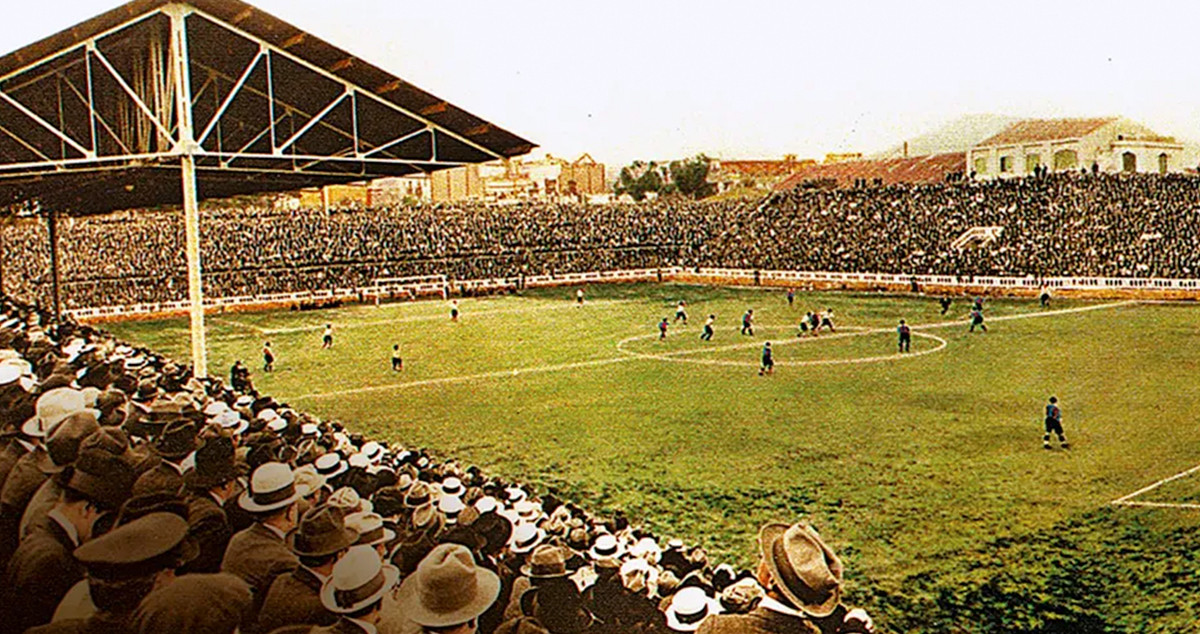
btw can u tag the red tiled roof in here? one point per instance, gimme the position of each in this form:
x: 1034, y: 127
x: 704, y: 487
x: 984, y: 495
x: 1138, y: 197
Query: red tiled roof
x: 1035, y: 130
x: 921, y: 169
x: 762, y: 167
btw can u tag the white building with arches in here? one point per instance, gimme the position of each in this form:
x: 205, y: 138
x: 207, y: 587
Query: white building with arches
x: 1106, y: 144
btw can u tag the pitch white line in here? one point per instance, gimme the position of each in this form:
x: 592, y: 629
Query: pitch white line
x: 464, y: 378
x: 1147, y: 489
x: 463, y: 314
x: 237, y: 324
x: 1160, y: 505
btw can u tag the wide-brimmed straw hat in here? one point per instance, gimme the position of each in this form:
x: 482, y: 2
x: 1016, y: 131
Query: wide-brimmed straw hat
x: 359, y: 579
x: 689, y: 607
x: 272, y: 487
x: 803, y: 568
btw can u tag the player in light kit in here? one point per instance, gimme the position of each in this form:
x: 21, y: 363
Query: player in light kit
x: 327, y: 338
x: 681, y: 311
x: 748, y: 322
x: 804, y: 325
x: 707, y: 335
x: 579, y: 297
x: 1054, y: 424
x: 768, y: 361
x: 454, y: 310
x: 662, y: 329
x: 397, y: 360
x: 905, y: 335
x: 827, y: 319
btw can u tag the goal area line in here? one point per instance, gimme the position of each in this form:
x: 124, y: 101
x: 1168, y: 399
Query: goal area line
x: 1130, y: 499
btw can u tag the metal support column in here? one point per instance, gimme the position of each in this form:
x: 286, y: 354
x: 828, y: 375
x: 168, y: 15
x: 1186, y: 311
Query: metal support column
x: 52, y: 226
x: 187, y: 147
x: 191, y: 214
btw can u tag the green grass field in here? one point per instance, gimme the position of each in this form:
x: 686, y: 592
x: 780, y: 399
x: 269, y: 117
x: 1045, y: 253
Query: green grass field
x: 923, y: 471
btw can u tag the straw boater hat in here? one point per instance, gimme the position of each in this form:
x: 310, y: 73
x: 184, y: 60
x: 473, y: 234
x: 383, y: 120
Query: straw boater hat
x: 320, y: 533
x: 369, y: 529
x: 451, y: 507
x: 272, y: 487
x: 447, y: 588
x: 330, y: 465
x: 359, y: 580
x: 606, y: 547
x: 452, y: 486
x: 526, y: 537
x: 688, y: 609
x: 803, y: 568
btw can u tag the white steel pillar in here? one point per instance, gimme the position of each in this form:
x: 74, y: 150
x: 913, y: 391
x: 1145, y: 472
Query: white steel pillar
x: 186, y: 146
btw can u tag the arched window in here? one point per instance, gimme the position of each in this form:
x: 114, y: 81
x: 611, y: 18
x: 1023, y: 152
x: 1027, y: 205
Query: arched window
x: 1129, y: 162
x: 1164, y: 162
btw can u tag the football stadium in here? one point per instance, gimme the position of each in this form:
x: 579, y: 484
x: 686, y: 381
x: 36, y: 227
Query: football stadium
x: 246, y: 387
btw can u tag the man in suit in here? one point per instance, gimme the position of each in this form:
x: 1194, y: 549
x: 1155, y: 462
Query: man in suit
x: 176, y: 442
x: 295, y: 598
x: 803, y: 581
x: 258, y: 555
x: 123, y: 567
x: 43, y: 568
x: 209, y: 486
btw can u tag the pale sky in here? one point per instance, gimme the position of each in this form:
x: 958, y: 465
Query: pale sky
x: 651, y: 79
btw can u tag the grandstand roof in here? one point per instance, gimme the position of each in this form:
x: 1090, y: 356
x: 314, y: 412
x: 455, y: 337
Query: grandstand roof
x: 1037, y: 130
x: 95, y: 117
x: 921, y: 169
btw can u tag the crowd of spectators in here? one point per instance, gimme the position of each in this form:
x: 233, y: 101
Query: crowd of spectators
x: 1053, y: 225
x: 135, y: 497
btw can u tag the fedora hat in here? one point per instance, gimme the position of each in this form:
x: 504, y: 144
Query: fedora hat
x: 426, y: 521
x: 546, y: 562
x: 177, y: 440
x: 802, y: 567
x: 526, y: 537
x: 99, y: 475
x: 52, y: 407
x: 688, y: 609
x: 308, y: 481
x: 321, y: 532
x: 272, y: 487
x: 349, y: 501
x: 418, y: 495
x: 369, y: 529
x: 359, y: 580
x: 62, y: 445
x: 216, y: 464
x: 447, y: 588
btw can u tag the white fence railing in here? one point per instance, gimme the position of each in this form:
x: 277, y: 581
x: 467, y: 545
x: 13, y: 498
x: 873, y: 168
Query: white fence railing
x: 660, y: 274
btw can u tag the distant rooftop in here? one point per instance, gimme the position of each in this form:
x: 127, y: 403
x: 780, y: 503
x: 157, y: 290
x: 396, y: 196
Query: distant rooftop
x: 1035, y: 130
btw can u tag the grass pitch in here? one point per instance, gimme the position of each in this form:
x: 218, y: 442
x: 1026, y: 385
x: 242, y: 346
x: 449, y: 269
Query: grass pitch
x: 914, y: 467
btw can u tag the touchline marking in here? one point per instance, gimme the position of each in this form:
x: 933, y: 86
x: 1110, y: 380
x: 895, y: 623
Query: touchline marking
x: 417, y: 318
x: 465, y: 378
x: 1147, y: 489
x: 1160, y: 505
x: 1045, y: 313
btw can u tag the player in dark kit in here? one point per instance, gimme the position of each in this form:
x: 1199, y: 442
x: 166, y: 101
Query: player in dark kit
x: 708, y: 328
x: 768, y: 362
x: 748, y: 322
x: 945, y: 302
x: 1044, y: 297
x: 268, y: 358
x: 905, y: 335
x: 662, y: 329
x: 977, y: 320
x: 397, y: 360
x: 1054, y: 424
x: 791, y: 296
x: 327, y: 339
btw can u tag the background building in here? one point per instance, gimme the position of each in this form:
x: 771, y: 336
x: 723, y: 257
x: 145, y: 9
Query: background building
x: 1111, y: 144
